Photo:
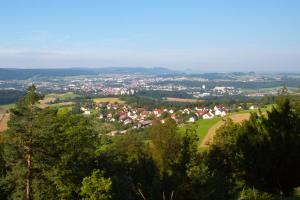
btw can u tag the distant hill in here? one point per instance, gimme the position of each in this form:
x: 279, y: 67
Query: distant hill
x: 135, y: 70
x: 23, y: 74
x: 10, y: 96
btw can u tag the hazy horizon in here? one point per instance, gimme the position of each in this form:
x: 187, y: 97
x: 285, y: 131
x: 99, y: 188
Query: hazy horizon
x: 180, y: 35
x: 186, y: 71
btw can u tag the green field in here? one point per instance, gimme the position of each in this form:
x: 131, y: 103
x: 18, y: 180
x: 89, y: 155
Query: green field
x: 62, y: 104
x: 68, y: 95
x: 201, y: 126
x: 66, y: 108
x: 267, y: 108
x: 108, y: 99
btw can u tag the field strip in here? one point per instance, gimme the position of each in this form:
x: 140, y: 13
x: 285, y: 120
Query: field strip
x: 44, y: 102
x: 108, y: 100
x: 237, y: 118
x: 3, y: 121
x: 183, y: 100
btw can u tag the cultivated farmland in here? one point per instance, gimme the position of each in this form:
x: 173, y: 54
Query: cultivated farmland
x: 108, y: 100
x: 172, y: 99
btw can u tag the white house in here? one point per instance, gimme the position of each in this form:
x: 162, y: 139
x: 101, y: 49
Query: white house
x: 187, y: 111
x: 220, y: 113
x: 83, y: 109
x: 223, y: 113
x: 112, y: 119
x: 208, y: 116
x: 192, y: 119
x: 87, y: 112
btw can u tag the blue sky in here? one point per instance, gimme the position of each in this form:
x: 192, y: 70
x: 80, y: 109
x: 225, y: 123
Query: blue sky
x: 212, y: 35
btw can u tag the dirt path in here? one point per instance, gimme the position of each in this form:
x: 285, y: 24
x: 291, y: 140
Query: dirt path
x: 4, y: 118
x: 237, y: 118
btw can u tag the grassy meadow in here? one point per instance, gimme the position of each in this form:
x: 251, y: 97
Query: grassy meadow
x: 67, y: 95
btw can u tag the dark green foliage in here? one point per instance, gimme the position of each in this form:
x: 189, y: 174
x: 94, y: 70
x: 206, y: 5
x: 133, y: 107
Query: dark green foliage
x: 96, y: 187
x: 150, y: 168
x: 18, y: 145
x: 3, y: 191
x: 269, y: 149
x: 219, y: 162
x: 132, y: 170
x: 58, y: 145
x: 69, y: 145
x: 151, y: 103
x: 165, y: 146
x: 262, y: 153
x: 156, y: 94
x: 252, y: 193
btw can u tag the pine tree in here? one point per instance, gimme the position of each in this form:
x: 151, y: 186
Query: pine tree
x: 20, y: 138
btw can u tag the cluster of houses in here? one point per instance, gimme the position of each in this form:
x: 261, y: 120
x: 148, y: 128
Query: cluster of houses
x: 206, y: 113
x: 140, y: 117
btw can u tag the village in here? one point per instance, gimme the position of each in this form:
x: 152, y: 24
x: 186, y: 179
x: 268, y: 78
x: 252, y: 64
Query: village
x: 135, y: 118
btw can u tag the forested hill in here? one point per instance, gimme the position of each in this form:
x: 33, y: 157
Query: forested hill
x: 22, y: 74
x: 10, y: 96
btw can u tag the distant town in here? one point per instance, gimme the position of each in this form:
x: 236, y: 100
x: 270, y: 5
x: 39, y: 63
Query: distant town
x: 131, y: 82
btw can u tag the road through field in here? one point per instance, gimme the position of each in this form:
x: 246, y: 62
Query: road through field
x: 237, y: 118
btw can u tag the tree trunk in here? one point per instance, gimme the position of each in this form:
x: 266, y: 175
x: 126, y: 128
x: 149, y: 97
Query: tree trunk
x: 28, y: 176
x: 29, y: 159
